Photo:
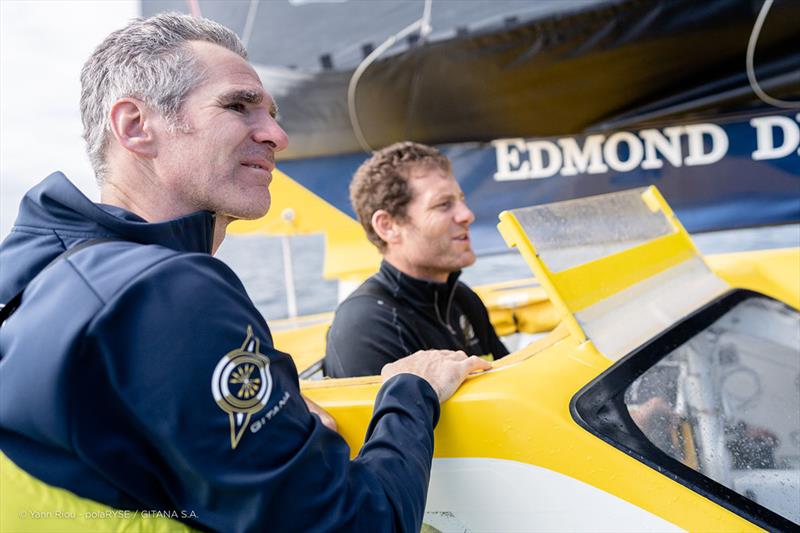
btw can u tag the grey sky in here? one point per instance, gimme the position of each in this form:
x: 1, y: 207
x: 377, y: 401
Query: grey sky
x: 43, y: 45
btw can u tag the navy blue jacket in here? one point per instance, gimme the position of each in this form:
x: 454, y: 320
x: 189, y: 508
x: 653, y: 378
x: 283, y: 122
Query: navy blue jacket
x: 392, y: 315
x: 138, y: 373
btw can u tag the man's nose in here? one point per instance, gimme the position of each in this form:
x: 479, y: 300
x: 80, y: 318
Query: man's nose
x: 268, y: 131
x: 464, y: 214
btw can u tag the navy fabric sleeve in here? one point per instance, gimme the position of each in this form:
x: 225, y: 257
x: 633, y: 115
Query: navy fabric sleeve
x: 392, y: 417
x: 183, y: 403
x: 364, y: 336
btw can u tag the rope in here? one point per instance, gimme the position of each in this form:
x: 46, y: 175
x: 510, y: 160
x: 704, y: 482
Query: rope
x: 423, y: 26
x: 751, y: 52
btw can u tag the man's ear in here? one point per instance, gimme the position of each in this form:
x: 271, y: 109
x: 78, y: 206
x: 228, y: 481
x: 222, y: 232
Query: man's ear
x: 385, y: 226
x: 131, y: 124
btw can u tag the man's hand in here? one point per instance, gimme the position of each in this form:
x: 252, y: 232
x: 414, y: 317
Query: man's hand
x: 443, y: 369
x: 324, y: 416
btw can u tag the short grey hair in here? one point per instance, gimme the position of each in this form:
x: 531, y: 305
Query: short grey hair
x: 149, y: 59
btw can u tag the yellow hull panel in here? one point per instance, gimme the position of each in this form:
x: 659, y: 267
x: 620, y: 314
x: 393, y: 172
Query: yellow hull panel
x: 520, y: 410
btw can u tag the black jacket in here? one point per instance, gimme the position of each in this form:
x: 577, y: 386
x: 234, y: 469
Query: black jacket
x: 392, y: 315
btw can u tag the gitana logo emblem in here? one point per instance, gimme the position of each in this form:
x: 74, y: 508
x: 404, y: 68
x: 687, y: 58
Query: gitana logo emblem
x: 241, y: 384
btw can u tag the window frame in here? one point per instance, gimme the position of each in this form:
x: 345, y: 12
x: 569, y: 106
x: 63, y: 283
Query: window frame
x: 599, y: 407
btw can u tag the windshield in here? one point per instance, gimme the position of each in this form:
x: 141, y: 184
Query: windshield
x: 570, y: 233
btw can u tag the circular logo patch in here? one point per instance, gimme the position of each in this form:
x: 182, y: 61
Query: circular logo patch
x: 241, y: 384
x: 244, y: 382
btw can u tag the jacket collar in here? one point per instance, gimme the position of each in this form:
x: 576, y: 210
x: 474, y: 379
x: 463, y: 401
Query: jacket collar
x: 419, y: 292
x: 56, y: 204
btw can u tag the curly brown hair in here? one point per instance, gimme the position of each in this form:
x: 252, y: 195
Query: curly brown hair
x: 382, y: 182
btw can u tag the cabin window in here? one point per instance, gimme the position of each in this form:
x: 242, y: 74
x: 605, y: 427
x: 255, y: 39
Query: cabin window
x: 727, y: 404
x: 714, y: 403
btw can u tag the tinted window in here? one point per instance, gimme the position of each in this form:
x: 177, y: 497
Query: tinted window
x: 726, y: 403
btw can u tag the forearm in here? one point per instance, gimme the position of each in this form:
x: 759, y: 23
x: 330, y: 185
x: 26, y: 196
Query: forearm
x: 399, y: 445
x: 385, y: 487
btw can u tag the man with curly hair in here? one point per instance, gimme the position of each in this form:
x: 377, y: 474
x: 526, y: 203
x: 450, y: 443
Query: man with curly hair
x: 413, y: 210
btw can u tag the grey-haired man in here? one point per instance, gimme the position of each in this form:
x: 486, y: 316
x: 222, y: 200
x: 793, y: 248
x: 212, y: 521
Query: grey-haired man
x: 136, y: 372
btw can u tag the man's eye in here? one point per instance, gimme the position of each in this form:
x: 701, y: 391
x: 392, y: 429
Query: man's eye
x: 236, y: 106
x: 445, y: 205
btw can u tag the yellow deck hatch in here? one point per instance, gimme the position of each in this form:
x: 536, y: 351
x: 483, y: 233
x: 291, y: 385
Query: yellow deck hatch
x: 609, y: 260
